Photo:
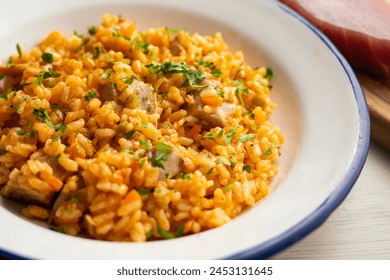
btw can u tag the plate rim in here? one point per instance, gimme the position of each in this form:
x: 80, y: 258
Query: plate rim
x: 321, y: 213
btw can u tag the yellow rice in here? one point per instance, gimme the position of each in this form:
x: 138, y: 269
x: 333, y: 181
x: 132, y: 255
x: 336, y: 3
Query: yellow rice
x: 58, y: 134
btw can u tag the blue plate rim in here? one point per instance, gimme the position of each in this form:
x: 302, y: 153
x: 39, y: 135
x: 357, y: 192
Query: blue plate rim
x: 318, y: 216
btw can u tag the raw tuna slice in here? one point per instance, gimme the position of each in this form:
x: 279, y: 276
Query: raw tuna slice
x: 359, y: 28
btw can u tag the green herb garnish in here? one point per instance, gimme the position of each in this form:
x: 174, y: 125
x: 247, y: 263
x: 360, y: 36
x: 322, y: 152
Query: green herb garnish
x: 90, y: 95
x: 228, y: 188
x: 21, y: 132
x: 193, y: 76
x: 149, y: 234
x: 56, y: 138
x: 83, y: 43
x: 268, y: 152
x: 163, y: 148
x: 209, y: 136
x: 97, y: 53
x: 214, y: 71
x: 146, y: 144
x: 60, y: 126
x: 144, y: 191
x: 92, y: 30
x: 128, y: 80
x: 184, y: 176
x: 223, y: 160
x: 246, y: 137
x: 47, y: 57
x: 4, y: 95
x: 42, y: 115
x: 269, y: 74
x: 247, y: 168
x: 229, y: 136
x: 129, y: 134
x: 19, y: 49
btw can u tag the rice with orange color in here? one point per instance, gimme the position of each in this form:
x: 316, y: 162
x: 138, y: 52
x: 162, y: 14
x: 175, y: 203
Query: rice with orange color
x: 125, y: 135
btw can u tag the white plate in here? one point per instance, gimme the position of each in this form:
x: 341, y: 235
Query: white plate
x: 321, y: 111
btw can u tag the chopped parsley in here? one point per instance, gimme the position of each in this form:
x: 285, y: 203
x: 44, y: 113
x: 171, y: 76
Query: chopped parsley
x: 229, y: 136
x: 249, y: 113
x: 4, y: 95
x: 233, y: 164
x: 144, y: 191
x: 164, y: 151
x: 139, y: 45
x: 97, y: 52
x: 83, y: 43
x: 92, y: 30
x: 144, y: 125
x: 21, y: 132
x: 1, y: 77
x: 219, y: 135
x: 228, y: 188
x: 169, y: 235
x: 210, y: 171
x: 223, y: 160
x: 60, y: 126
x: 47, y: 57
x: 54, y: 106
x: 193, y: 76
x: 2, y: 152
x: 240, y: 85
x: 19, y: 49
x: 90, y: 95
x: 174, y: 31
x: 56, y: 158
x: 56, y: 138
x: 214, y: 71
x: 145, y: 144
x: 246, y: 137
x: 184, y: 176
x: 127, y: 80
x: 220, y: 92
x: 247, y: 168
x: 42, y: 115
x: 108, y: 73
x: 129, y: 134
x: 240, y: 89
x: 269, y: 74
x: 142, y: 162
x: 209, y: 136
x: 268, y: 152
x: 149, y: 234
x: 163, y: 148
x: 58, y: 229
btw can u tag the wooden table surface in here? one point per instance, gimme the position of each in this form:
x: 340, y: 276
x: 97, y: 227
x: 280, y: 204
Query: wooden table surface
x: 360, y: 227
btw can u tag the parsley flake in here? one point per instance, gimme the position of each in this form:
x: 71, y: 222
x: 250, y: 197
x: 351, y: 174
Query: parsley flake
x: 223, y: 160
x: 130, y: 134
x: 246, y: 137
x: 47, y: 57
x: 90, y: 95
x: 268, y: 152
x: 229, y: 136
x: 92, y: 30
x: 19, y: 49
x: 193, y: 76
x: 247, y: 168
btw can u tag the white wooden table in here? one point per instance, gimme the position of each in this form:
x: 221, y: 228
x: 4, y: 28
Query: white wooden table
x: 360, y: 227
